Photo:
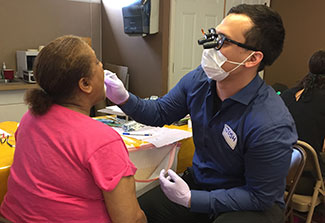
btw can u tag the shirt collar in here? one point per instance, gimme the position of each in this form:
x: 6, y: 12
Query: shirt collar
x: 246, y: 94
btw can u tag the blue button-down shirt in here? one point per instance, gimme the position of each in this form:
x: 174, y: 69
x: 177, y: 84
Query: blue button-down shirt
x: 243, y: 144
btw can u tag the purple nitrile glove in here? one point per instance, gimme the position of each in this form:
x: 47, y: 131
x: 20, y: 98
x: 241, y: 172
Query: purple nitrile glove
x: 175, y: 188
x: 115, y: 90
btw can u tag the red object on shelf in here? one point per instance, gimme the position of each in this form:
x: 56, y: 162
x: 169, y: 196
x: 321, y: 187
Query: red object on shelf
x: 8, y: 74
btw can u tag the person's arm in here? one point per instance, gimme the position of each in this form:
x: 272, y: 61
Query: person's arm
x: 165, y: 110
x: 172, y: 105
x: 113, y: 173
x: 122, y: 204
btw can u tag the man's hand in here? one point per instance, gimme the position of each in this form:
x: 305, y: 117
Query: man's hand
x: 175, y: 188
x: 115, y: 90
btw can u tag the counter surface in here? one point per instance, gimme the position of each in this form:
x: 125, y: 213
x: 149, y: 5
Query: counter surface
x: 16, y: 84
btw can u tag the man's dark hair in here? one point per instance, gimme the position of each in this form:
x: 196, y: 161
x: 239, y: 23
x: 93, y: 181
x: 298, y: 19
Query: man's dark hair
x: 267, y: 33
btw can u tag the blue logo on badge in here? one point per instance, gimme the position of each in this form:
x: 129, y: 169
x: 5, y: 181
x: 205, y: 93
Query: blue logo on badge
x: 230, y: 136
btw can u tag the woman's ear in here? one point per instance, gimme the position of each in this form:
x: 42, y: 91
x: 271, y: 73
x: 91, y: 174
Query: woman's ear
x: 84, y: 85
x: 255, y: 59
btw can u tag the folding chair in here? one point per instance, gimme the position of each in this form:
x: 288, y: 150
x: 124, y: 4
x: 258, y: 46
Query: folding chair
x: 298, y: 161
x: 303, y: 203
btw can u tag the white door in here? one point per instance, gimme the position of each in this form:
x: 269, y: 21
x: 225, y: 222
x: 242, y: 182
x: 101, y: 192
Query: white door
x: 188, y: 17
x: 231, y: 3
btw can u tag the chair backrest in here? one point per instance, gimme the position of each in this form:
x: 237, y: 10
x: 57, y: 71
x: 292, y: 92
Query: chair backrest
x: 304, y: 203
x: 312, y: 162
x: 298, y: 161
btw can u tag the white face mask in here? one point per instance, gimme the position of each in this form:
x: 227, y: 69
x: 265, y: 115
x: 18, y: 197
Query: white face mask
x: 213, y: 59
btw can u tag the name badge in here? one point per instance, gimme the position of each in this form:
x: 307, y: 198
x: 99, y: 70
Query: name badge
x: 230, y: 136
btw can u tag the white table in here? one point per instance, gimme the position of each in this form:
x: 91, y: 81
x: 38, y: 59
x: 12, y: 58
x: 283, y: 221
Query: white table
x: 149, y: 161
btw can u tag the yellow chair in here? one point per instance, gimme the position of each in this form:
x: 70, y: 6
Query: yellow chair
x: 6, y: 158
x: 4, y: 174
x: 303, y: 203
x: 7, y: 151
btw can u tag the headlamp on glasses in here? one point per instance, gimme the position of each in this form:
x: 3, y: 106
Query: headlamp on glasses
x: 214, y: 40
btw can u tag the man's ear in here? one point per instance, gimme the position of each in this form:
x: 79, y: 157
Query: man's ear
x: 84, y: 85
x: 255, y: 59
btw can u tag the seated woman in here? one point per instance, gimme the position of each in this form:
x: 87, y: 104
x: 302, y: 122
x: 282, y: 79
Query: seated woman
x: 68, y: 167
x: 306, y: 103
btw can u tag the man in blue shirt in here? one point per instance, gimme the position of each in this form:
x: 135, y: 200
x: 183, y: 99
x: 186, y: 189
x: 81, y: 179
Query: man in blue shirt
x: 242, y: 131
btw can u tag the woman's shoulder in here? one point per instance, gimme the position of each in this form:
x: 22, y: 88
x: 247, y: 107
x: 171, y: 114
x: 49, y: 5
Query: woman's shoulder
x: 290, y: 91
x: 289, y: 95
x: 99, y: 129
x: 100, y: 136
x: 318, y: 97
x: 83, y: 125
x: 319, y: 93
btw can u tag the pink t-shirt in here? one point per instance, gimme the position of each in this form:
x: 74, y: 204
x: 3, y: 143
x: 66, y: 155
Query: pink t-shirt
x: 62, y: 161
